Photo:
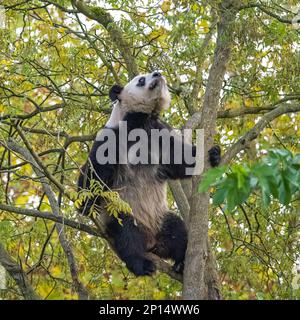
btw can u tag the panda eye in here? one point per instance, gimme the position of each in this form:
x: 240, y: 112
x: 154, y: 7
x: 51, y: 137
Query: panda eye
x: 141, y: 82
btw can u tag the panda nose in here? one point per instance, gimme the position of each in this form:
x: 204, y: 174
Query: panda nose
x: 156, y: 74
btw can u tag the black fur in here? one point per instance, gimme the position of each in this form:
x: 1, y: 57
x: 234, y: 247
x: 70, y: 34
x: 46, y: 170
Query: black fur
x: 172, y: 241
x: 214, y: 156
x: 130, y: 240
x: 114, y: 92
x: 130, y: 244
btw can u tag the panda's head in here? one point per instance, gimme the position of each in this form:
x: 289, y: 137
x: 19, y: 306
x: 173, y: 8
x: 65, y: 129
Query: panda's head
x: 145, y: 93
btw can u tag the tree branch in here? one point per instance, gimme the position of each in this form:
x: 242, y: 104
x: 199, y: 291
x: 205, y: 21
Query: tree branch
x: 60, y: 7
x: 36, y: 162
x: 161, y: 264
x: 197, y: 265
x: 34, y: 113
x: 243, y: 111
x: 49, y: 216
x: 16, y: 272
x: 255, y: 131
x: 105, y: 19
x: 31, y: 157
x: 266, y: 11
x: 180, y: 198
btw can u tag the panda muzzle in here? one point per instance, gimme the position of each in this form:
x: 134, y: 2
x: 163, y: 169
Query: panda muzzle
x: 154, y: 84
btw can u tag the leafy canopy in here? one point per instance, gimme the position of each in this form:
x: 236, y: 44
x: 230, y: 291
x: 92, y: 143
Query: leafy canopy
x: 275, y: 177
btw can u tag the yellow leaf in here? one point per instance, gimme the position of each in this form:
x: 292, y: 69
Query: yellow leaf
x: 5, y: 62
x: 56, y: 271
x: 26, y: 170
x: 232, y: 105
x: 2, y: 108
x: 23, y: 199
x: 141, y: 16
x: 159, y: 34
x: 204, y: 25
x: 268, y: 131
x: 61, y: 30
x: 27, y: 86
x: 248, y: 103
x: 195, y: 6
x: 166, y: 5
x: 285, y: 118
x: 21, y: 251
x: 159, y: 295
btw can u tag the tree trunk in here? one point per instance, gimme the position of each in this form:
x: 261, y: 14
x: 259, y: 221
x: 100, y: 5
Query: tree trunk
x: 200, y: 274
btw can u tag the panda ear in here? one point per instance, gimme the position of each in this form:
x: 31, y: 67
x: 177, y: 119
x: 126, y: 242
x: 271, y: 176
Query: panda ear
x: 114, y: 92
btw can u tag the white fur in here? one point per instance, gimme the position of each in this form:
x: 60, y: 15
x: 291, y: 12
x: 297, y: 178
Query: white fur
x: 139, y: 186
x: 146, y: 196
x: 143, y: 99
x: 116, y: 116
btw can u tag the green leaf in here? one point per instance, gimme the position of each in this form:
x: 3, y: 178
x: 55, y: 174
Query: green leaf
x: 285, y: 194
x: 219, y: 196
x: 210, y: 178
x: 275, y: 176
x: 296, y: 159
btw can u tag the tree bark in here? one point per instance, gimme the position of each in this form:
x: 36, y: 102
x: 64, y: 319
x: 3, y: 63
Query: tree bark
x: 16, y: 272
x: 200, y: 276
x: 33, y: 159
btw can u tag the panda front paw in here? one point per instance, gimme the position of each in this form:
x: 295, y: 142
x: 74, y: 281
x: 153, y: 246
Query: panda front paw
x: 140, y: 266
x: 214, y: 156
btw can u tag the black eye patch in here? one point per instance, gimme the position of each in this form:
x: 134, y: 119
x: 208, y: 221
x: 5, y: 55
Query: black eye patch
x: 141, y: 82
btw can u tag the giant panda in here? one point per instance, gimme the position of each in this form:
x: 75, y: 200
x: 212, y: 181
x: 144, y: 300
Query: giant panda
x: 152, y: 227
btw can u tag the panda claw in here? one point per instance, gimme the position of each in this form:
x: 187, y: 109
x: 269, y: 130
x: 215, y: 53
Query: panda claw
x: 214, y: 156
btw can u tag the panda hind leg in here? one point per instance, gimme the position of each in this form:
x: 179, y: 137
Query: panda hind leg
x: 172, y: 241
x: 130, y: 245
